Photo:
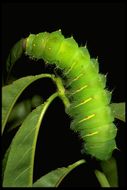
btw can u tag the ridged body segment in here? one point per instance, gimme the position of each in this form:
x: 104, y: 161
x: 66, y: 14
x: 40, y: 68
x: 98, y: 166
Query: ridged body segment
x: 90, y: 101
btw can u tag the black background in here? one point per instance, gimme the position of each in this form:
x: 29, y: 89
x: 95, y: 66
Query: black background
x: 102, y: 27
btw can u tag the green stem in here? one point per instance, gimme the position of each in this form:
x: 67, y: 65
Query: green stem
x: 109, y: 168
x: 61, y: 91
x: 102, y: 179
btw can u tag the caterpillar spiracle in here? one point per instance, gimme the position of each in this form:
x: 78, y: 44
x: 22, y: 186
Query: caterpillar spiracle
x: 89, y: 106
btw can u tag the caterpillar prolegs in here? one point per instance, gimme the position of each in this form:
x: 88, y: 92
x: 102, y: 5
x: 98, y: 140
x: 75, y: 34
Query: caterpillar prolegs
x: 89, y: 100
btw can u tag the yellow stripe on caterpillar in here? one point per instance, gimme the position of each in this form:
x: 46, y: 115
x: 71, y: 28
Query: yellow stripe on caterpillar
x: 91, y: 134
x: 79, y: 90
x: 86, y: 118
x: 76, y: 78
x: 68, y: 71
x: 73, y: 64
x: 87, y: 100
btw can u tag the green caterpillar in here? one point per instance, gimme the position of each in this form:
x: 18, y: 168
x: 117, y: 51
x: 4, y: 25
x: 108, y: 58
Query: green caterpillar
x: 89, y: 100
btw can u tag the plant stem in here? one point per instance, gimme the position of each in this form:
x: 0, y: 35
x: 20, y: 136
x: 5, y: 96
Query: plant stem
x: 61, y: 91
x: 102, y: 179
x: 109, y: 168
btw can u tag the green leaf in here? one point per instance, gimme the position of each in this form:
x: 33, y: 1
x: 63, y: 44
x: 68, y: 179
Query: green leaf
x: 54, y: 178
x: 36, y: 100
x: 15, y: 53
x: 20, y: 163
x: 4, y: 161
x: 11, y: 93
x: 119, y: 110
x: 102, y: 179
x: 15, y: 125
x: 19, y: 113
x: 21, y: 110
x: 109, y: 168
